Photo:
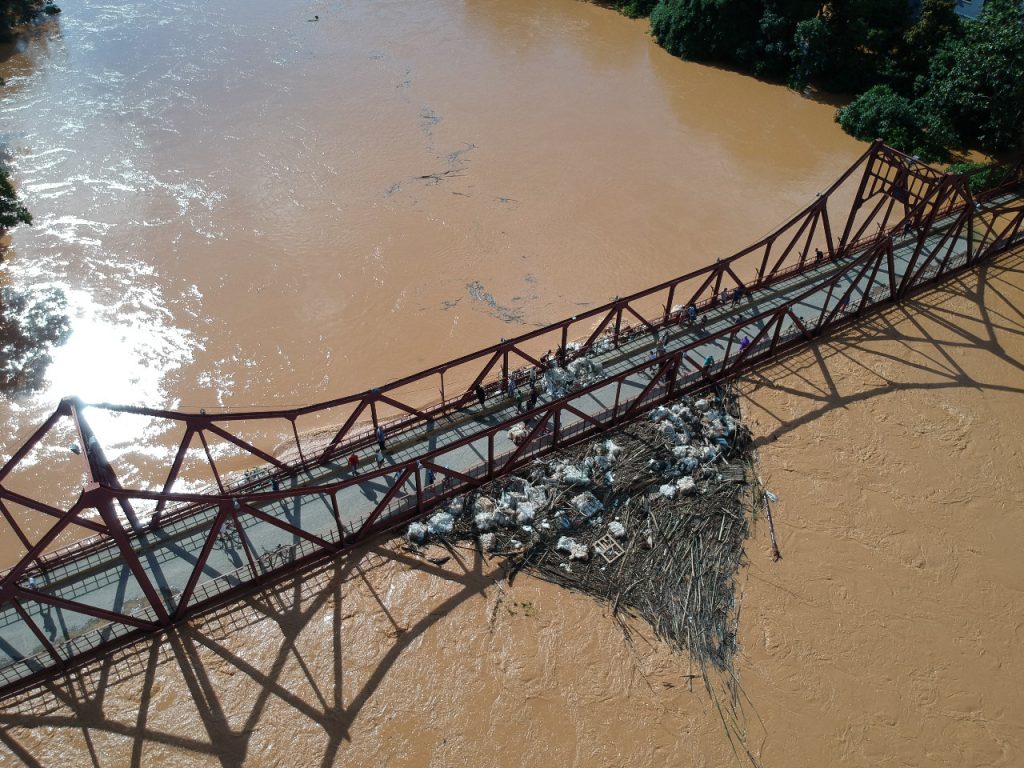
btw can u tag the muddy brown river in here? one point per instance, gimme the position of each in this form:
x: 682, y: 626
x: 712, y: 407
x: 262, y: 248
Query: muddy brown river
x: 255, y: 208
x: 278, y: 203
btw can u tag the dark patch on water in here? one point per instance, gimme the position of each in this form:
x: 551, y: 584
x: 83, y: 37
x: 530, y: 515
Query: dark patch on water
x: 31, y: 324
x: 512, y: 313
x: 428, y: 119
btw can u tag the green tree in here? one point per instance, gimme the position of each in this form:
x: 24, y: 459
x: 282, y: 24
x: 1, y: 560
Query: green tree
x: 976, y: 82
x: 635, y: 9
x: 776, y: 40
x: 708, y: 30
x: 848, y: 43
x: 13, y: 13
x: 937, y: 24
x: 12, y: 212
x: 982, y: 176
x: 881, y: 112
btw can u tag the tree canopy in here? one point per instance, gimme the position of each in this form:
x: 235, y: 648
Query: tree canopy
x: 928, y: 80
x: 14, y: 13
x: 12, y: 212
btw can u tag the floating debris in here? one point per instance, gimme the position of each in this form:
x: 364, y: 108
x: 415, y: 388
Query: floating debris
x: 416, y: 533
x: 440, y: 524
x: 679, y: 502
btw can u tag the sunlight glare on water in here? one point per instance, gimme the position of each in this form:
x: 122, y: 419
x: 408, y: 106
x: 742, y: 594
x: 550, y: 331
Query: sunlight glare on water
x: 249, y: 208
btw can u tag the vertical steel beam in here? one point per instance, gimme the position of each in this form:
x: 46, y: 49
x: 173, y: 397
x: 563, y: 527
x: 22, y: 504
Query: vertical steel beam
x: 101, y: 500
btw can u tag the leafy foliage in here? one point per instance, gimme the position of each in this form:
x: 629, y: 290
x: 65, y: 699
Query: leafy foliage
x: 881, y: 112
x: 846, y: 44
x: 977, y: 81
x: 982, y: 176
x: 16, y: 12
x: 635, y: 9
x: 946, y: 81
x: 12, y: 212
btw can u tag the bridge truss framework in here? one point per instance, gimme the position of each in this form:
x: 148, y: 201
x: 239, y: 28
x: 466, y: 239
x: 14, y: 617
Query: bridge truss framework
x: 942, y: 228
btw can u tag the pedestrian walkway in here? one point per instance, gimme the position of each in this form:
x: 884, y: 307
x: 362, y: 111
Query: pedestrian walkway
x: 139, y: 576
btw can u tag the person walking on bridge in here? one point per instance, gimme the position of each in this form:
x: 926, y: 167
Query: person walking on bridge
x: 481, y: 395
x: 353, y: 463
x: 380, y: 436
x: 691, y: 314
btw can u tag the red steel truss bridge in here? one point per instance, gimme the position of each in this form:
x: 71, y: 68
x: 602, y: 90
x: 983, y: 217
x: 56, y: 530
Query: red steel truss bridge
x: 129, y: 545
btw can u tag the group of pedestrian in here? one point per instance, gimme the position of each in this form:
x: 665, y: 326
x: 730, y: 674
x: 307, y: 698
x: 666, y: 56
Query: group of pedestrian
x: 733, y: 296
x: 532, y: 397
x: 353, y: 459
x: 516, y: 394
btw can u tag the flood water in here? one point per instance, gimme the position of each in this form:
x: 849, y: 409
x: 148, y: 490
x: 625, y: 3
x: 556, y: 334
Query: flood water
x: 250, y: 208
x: 245, y: 207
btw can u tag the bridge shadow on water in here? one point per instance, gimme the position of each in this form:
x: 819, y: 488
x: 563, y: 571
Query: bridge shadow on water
x: 112, y: 711
x: 931, y: 330
x: 298, y: 650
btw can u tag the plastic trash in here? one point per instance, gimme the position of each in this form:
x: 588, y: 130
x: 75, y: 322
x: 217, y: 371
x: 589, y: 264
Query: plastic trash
x: 518, y: 434
x: 440, y: 524
x: 537, y: 496
x: 565, y: 544
x: 416, y: 533
x: 572, y: 548
x: 525, y: 513
x: 587, y: 504
x: 574, y: 475
x: 686, y: 486
x: 485, y: 521
x: 617, y: 529
x: 659, y: 413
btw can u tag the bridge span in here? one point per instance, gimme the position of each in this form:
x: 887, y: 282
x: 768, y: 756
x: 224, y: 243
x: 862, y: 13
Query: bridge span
x: 121, y: 554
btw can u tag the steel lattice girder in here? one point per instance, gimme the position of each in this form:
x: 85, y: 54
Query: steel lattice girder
x: 924, y: 195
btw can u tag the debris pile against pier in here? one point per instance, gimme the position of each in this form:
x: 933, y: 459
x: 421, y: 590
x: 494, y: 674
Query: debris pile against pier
x: 652, y: 518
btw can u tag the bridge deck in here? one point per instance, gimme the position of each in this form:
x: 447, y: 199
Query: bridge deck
x: 459, y: 441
